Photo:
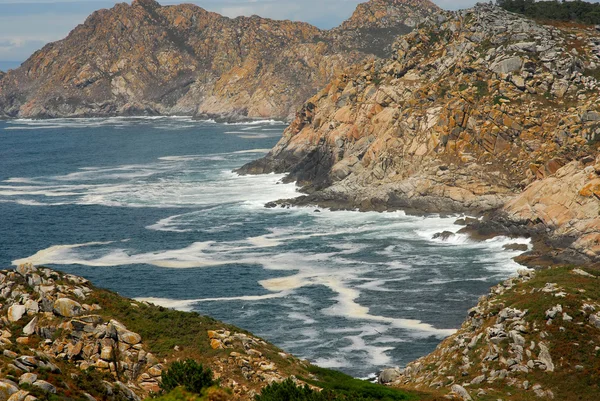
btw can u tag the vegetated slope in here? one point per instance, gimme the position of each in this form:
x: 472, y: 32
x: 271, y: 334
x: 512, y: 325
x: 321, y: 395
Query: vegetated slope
x: 147, y: 59
x: 63, y: 339
x: 469, y: 111
x: 536, y: 336
x: 576, y: 11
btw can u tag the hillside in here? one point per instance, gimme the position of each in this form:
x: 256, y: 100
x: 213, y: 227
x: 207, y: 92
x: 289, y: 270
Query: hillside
x: 63, y: 339
x: 536, y: 336
x: 479, y: 110
x: 144, y: 58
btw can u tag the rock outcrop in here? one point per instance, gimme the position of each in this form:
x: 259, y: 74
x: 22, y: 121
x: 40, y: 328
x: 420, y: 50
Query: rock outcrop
x: 470, y: 110
x: 147, y: 59
x: 533, y: 336
x: 60, y: 335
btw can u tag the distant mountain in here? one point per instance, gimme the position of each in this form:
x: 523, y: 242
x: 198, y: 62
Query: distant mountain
x: 147, y: 59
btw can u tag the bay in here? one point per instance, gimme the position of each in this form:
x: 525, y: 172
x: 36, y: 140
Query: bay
x: 150, y: 208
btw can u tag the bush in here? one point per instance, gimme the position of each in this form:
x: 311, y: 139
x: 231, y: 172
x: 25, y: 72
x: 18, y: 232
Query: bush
x: 289, y: 391
x: 188, y: 374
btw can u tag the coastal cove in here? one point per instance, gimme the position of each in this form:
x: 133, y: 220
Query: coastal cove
x: 150, y: 208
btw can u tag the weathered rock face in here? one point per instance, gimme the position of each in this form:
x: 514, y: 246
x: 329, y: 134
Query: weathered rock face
x: 469, y: 110
x: 375, y: 25
x: 567, y: 203
x: 146, y: 59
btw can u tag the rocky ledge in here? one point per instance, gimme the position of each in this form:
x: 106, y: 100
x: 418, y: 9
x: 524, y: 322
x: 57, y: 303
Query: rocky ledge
x: 60, y: 335
x: 478, y: 110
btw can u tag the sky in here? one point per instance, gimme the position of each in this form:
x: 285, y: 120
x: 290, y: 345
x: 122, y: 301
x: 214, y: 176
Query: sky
x: 26, y: 25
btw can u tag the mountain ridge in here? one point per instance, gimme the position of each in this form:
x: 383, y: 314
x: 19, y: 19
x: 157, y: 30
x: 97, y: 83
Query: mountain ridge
x: 145, y: 58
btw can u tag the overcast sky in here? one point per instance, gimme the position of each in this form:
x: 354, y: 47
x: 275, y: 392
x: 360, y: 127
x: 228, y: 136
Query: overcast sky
x: 26, y: 25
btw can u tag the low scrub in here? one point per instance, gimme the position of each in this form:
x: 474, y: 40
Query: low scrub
x: 189, y: 374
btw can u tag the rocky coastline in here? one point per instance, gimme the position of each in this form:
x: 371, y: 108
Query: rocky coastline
x: 479, y: 111
x: 60, y: 335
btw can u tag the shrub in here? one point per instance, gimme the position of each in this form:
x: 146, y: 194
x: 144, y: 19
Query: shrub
x: 289, y: 391
x: 188, y: 374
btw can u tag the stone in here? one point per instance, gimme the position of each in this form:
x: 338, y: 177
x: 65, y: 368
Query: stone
x: 32, y: 307
x: 595, y: 320
x: 388, y: 376
x: 461, y: 392
x: 30, y: 328
x: 122, y: 334
x: 67, y: 307
x: 7, y: 390
x: 545, y: 357
x: 444, y: 236
x: 28, y: 378
x: 19, y: 396
x: 583, y: 273
x: 16, y: 312
x: 45, y: 386
x: 25, y: 269
x: 9, y: 354
x: 508, y: 65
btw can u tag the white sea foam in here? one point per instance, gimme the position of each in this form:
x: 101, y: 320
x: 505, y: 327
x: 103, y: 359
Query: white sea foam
x: 259, y: 122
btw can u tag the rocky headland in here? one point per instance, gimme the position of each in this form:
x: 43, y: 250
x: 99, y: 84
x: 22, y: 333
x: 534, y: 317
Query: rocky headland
x: 535, y: 336
x: 146, y: 59
x: 480, y: 111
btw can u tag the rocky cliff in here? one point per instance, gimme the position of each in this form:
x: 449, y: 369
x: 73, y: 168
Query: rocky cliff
x: 147, y: 59
x: 471, y: 109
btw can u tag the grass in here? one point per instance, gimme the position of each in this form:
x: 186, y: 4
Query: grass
x: 348, y: 386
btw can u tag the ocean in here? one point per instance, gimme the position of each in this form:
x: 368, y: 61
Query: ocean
x: 150, y: 208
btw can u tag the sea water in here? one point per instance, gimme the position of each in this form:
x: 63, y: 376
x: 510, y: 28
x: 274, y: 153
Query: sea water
x: 150, y: 208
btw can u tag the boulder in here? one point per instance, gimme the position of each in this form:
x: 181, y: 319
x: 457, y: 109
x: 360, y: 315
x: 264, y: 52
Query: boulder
x: 19, y: 396
x: 25, y: 269
x: 67, y: 307
x: 16, y: 312
x: 507, y: 66
x: 124, y: 335
x: 461, y: 392
x: 27, y: 378
x: 31, y: 327
x: 595, y: 320
x: 45, y: 386
x: 6, y: 390
x: 443, y: 236
x: 388, y: 376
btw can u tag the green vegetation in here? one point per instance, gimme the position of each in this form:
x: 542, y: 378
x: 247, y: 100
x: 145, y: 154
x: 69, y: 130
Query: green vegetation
x: 161, y: 328
x: 482, y: 88
x: 575, y: 11
x: 188, y: 374
x: 499, y: 99
x: 345, y: 387
x: 289, y: 391
x: 210, y: 394
x: 571, y: 344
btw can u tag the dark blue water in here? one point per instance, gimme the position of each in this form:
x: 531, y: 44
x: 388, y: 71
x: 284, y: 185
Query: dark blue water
x: 151, y: 209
